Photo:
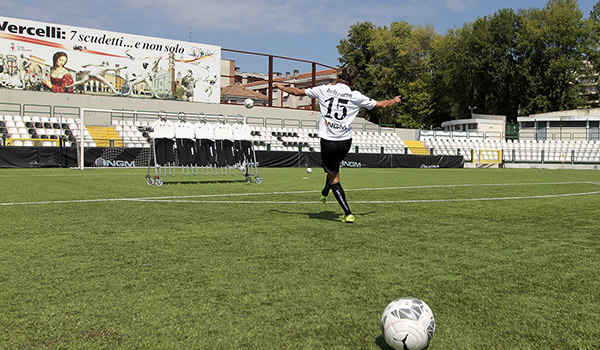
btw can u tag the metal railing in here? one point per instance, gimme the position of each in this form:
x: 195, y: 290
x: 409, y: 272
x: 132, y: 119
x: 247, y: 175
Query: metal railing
x: 6, y: 107
x: 37, y: 110
x: 453, y: 134
x: 65, y: 112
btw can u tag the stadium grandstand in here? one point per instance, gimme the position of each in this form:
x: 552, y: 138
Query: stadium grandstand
x: 49, y: 126
x: 33, y: 117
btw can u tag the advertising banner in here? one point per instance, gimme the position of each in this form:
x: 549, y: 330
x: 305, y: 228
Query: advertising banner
x: 65, y: 59
x: 37, y: 157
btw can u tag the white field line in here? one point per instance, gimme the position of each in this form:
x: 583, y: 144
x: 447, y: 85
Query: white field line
x: 178, y: 199
x: 61, y: 175
x: 372, y: 202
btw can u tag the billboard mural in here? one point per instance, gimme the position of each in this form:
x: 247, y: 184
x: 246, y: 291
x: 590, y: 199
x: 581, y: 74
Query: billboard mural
x: 65, y: 59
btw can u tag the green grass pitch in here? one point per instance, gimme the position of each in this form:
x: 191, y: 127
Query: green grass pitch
x: 506, y: 259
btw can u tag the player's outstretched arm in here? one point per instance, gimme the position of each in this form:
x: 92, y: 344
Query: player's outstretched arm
x: 388, y: 103
x: 290, y: 90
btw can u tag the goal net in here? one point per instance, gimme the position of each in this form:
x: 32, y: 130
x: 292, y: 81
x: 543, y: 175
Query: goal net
x: 114, y: 138
x: 489, y: 156
x: 122, y: 138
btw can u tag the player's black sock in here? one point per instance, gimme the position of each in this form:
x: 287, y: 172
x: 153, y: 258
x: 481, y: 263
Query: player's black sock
x: 327, y: 187
x: 340, y: 195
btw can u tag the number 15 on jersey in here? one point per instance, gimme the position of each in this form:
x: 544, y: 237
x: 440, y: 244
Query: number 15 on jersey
x: 338, y: 107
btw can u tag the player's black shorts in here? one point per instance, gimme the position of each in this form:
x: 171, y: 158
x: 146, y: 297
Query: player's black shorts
x: 332, y: 154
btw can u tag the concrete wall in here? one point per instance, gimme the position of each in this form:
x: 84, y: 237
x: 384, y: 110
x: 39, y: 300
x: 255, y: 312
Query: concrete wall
x: 405, y: 134
x: 491, y: 130
x: 141, y: 104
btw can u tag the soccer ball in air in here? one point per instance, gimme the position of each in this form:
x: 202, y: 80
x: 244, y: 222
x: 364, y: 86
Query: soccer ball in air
x: 407, y: 324
x: 309, y: 170
x: 249, y: 103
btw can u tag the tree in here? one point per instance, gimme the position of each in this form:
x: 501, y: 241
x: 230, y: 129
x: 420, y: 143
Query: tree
x: 478, y: 65
x: 392, y: 61
x: 593, y: 55
x: 355, y: 52
x: 554, y: 42
x: 510, y: 63
x: 526, y: 61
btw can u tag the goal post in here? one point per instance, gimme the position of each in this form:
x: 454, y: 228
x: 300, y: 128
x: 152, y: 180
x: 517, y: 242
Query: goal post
x: 109, y: 133
x: 106, y: 137
x: 486, y: 156
x: 112, y: 138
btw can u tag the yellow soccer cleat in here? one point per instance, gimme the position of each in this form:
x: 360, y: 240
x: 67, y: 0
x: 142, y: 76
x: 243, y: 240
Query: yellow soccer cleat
x: 348, y: 219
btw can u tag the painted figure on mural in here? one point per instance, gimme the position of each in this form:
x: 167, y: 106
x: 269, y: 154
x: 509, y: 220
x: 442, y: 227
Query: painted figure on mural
x: 36, y: 74
x: 22, y: 67
x: 60, y: 76
x: 145, y: 77
x: 97, y: 72
x: 3, y: 70
x: 209, y: 82
x: 188, y: 83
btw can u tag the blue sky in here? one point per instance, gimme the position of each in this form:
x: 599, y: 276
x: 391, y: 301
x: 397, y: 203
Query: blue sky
x: 308, y: 30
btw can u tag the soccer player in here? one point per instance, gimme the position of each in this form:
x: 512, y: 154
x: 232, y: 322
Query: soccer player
x: 339, y: 105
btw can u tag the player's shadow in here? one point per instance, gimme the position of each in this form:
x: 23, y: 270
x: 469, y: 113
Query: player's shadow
x: 380, y: 342
x: 326, y: 215
x: 322, y: 215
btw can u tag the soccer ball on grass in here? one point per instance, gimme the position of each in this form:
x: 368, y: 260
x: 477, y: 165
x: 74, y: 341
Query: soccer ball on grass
x: 407, y: 324
x: 309, y: 170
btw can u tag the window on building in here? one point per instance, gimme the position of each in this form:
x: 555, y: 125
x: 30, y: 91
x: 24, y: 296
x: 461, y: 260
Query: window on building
x: 568, y: 124
x: 573, y: 124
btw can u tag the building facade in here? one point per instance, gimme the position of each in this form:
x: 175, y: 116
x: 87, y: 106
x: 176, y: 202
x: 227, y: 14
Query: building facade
x: 487, y: 125
x: 302, y: 81
x: 578, y: 124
